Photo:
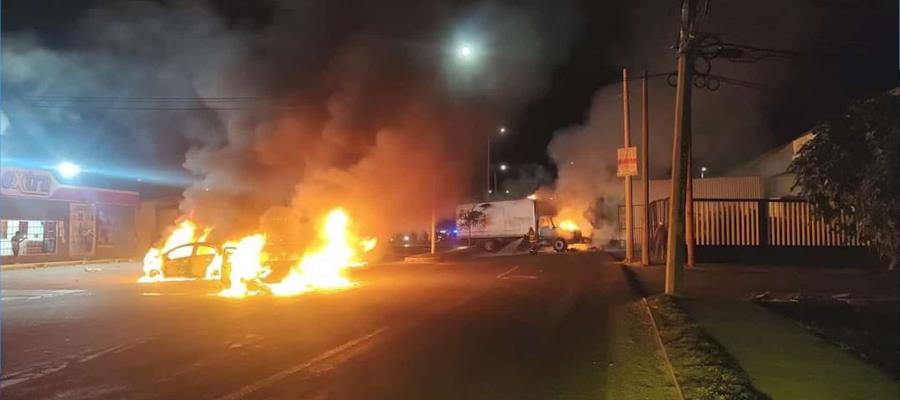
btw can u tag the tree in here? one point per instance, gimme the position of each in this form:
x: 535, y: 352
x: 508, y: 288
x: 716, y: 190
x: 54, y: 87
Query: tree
x: 850, y: 168
x: 469, y: 218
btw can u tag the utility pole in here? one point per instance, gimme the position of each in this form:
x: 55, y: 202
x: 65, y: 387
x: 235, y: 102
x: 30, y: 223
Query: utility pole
x: 629, y: 202
x: 689, y: 199
x: 433, y: 220
x: 645, y: 170
x: 675, y: 254
x: 488, y: 189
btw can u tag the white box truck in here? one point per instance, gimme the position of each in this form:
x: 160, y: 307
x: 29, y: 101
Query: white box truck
x: 493, y: 224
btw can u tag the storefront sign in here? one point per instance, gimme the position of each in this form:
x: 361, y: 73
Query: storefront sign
x: 24, y: 182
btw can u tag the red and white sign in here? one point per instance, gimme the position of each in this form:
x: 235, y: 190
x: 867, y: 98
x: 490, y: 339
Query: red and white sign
x: 626, y: 159
x: 21, y: 182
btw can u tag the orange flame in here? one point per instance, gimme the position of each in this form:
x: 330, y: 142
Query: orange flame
x: 322, y: 269
x: 569, y: 225
x: 184, y: 233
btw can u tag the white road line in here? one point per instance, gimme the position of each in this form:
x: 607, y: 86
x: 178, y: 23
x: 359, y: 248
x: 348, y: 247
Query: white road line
x: 300, y: 367
x: 25, y: 377
x: 90, y: 357
x: 509, y: 271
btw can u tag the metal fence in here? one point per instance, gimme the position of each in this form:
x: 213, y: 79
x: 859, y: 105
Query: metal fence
x: 752, y: 222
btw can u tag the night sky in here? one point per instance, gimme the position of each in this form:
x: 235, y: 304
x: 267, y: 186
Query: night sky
x: 849, y: 50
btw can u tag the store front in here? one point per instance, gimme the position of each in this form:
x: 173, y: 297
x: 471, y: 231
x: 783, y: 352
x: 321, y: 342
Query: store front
x: 54, y: 222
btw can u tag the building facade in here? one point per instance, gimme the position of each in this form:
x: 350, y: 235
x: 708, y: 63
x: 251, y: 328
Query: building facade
x: 57, y: 222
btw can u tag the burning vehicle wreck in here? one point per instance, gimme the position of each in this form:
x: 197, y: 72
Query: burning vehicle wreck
x: 249, y: 267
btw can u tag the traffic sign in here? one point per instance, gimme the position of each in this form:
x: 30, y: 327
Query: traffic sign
x: 627, y: 161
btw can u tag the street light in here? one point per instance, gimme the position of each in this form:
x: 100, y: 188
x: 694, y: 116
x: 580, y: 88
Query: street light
x: 464, y: 51
x: 502, y: 168
x: 68, y: 170
x: 502, y: 129
x: 702, y: 172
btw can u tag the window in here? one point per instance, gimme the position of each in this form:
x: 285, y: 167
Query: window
x: 39, y: 237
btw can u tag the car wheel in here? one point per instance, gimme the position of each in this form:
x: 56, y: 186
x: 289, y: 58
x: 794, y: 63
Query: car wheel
x: 560, y: 245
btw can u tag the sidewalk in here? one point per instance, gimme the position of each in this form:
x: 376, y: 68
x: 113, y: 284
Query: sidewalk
x: 782, y: 358
x: 11, y: 267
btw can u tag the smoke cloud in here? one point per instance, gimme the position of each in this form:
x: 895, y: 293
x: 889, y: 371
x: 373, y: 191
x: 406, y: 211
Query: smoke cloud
x: 729, y: 125
x: 281, y: 116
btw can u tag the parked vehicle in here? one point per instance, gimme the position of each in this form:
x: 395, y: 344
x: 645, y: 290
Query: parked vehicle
x: 494, y: 224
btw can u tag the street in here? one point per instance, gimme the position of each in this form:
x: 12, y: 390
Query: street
x: 546, y: 326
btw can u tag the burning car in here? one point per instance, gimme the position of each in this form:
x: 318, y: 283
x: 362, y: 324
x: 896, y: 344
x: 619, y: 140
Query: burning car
x: 196, y: 260
x: 252, y: 265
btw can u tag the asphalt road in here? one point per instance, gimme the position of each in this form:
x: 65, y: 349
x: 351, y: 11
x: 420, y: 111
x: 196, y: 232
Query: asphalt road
x: 518, y: 327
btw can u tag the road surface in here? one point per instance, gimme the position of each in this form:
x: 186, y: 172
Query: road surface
x: 520, y: 327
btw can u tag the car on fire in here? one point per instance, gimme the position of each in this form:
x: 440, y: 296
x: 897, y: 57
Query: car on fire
x: 190, y: 260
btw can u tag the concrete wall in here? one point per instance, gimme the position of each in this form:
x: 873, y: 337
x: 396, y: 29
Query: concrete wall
x: 153, y: 218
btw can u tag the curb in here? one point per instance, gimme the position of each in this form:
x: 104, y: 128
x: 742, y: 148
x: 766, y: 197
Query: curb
x: 663, y: 348
x: 13, y: 267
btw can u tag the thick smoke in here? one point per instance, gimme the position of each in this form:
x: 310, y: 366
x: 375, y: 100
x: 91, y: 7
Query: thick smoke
x: 728, y: 124
x: 297, y: 111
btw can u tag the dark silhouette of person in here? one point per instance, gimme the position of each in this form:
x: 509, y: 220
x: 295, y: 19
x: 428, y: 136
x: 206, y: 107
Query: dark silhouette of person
x: 532, y: 240
x: 16, y: 242
x: 660, y: 239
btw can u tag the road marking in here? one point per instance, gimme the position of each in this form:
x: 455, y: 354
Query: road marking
x: 37, y: 294
x: 308, y: 365
x: 34, y: 373
x: 114, y: 349
x: 509, y: 271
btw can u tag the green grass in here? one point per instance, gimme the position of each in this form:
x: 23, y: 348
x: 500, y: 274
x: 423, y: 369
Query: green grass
x: 638, y: 371
x: 867, y: 330
x: 703, y: 368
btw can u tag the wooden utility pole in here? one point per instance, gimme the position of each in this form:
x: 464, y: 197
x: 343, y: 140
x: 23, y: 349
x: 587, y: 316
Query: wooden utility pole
x: 433, y: 221
x: 689, y: 200
x: 645, y: 171
x: 487, y: 192
x: 675, y: 254
x: 629, y: 202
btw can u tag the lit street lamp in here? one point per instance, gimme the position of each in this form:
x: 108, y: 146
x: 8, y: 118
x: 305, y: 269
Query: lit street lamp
x: 464, y: 52
x: 702, y: 172
x: 68, y: 170
x: 502, y: 168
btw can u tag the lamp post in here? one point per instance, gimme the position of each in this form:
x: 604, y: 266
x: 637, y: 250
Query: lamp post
x: 503, y: 168
x: 501, y: 131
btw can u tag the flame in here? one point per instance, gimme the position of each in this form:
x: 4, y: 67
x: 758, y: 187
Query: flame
x: 368, y: 244
x: 321, y: 269
x: 569, y: 225
x: 247, y: 264
x: 184, y: 233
